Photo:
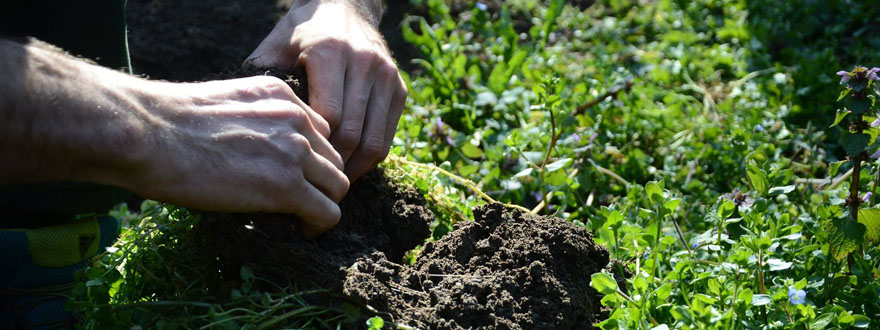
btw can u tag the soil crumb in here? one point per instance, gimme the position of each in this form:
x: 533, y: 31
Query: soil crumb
x: 505, y: 270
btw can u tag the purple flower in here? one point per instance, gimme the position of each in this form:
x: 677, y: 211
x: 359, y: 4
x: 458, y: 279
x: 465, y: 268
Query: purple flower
x: 694, y: 246
x: 537, y: 195
x: 440, y: 124
x: 876, y: 154
x: 593, y: 137
x: 450, y: 141
x: 759, y: 128
x: 550, y: 207
x: 867, y: 197
x: 482, y: 6
x: 872, y: 74
x: 577, y: 138
x: 875, y: 123
x: 645, y: 255
x: 796, y: 296
x: 844, y: 76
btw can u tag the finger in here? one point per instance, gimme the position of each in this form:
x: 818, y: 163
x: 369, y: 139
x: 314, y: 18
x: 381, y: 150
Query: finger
x: 358, y: 82
x: 316, y: 212
x: 325, y: 71
x: 394, y: 112
x: 324, y: 175
x: 318, y: 122
x: 302, y: 125
x: 324, y: 150
x: 373, y: 137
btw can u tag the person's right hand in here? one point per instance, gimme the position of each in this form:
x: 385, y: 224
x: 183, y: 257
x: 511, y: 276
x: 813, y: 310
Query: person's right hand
x: 243, y: 145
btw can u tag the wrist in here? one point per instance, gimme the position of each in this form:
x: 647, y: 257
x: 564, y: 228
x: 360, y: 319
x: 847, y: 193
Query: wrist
x: 134, y: 135
x: 368, y: 10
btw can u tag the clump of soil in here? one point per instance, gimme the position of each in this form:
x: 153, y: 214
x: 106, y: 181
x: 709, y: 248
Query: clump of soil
x: 377, y: 218
x: 505, y: 270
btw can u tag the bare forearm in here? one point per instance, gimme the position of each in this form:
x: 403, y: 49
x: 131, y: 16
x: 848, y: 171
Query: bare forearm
x: 66, y: 120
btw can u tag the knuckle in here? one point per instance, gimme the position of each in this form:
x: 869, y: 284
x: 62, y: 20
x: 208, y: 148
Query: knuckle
x: 329, y: 46
x: 300, y: 142
x: 365, y: 57
x: 330, y: 219
x: 298, y: 118
x: 349, y: 135
x: 333, y: 110
x: 272, y: 86
x: 373, y: 147
x: 402, y: 91
x: 344, y: 184
x: 388, y: 71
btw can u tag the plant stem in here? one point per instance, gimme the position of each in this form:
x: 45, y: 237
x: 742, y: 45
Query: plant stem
x: 854, y: 187
x: 467, y: 183
x: 656, y: 247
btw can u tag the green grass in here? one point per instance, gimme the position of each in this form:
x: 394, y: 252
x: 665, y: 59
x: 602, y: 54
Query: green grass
x: 692, y: 137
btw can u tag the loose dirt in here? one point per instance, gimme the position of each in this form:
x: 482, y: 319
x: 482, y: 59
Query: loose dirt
x: 505, y: 270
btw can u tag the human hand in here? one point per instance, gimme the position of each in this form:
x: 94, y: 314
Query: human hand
x: 353, y: 81
x: 244, y: 145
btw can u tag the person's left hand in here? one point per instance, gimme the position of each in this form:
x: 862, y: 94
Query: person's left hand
x: 353, y: 81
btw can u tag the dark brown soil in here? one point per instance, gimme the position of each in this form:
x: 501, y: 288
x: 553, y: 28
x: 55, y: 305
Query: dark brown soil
x: 505, y: 270
x: 378, y: 218
x: 180, y: 40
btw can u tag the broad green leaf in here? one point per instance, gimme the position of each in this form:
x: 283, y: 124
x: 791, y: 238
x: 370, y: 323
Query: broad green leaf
x: 841, y: 113
x: 777, y: 264
x: 781, y: 190
x: 555, y: 166
x: 664, y: 291
x: 525, y: 172
x: 550, y: 16
x: 471, y: 151
x: 671, y: 205
x: 845, y: 318
x: 655, y: 192
x: 822, y: 321
x: 705, y: 299
x: 844, y: 235
x: 758, y: 178
x: 375, y: 323
x: 843, y: 94
x: 834, y: 167
x: 854, y: 143
x: 498, y: 78
x: 870, y: 217
x: 604, y: 283
x: 861, y: 321
x: 747, y: 295
x: 761, y: 299
x: 615, y: 218
x: 609, y: 300
x: 640, y: 284
x: 858, y: 106
x: 725, y: 210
